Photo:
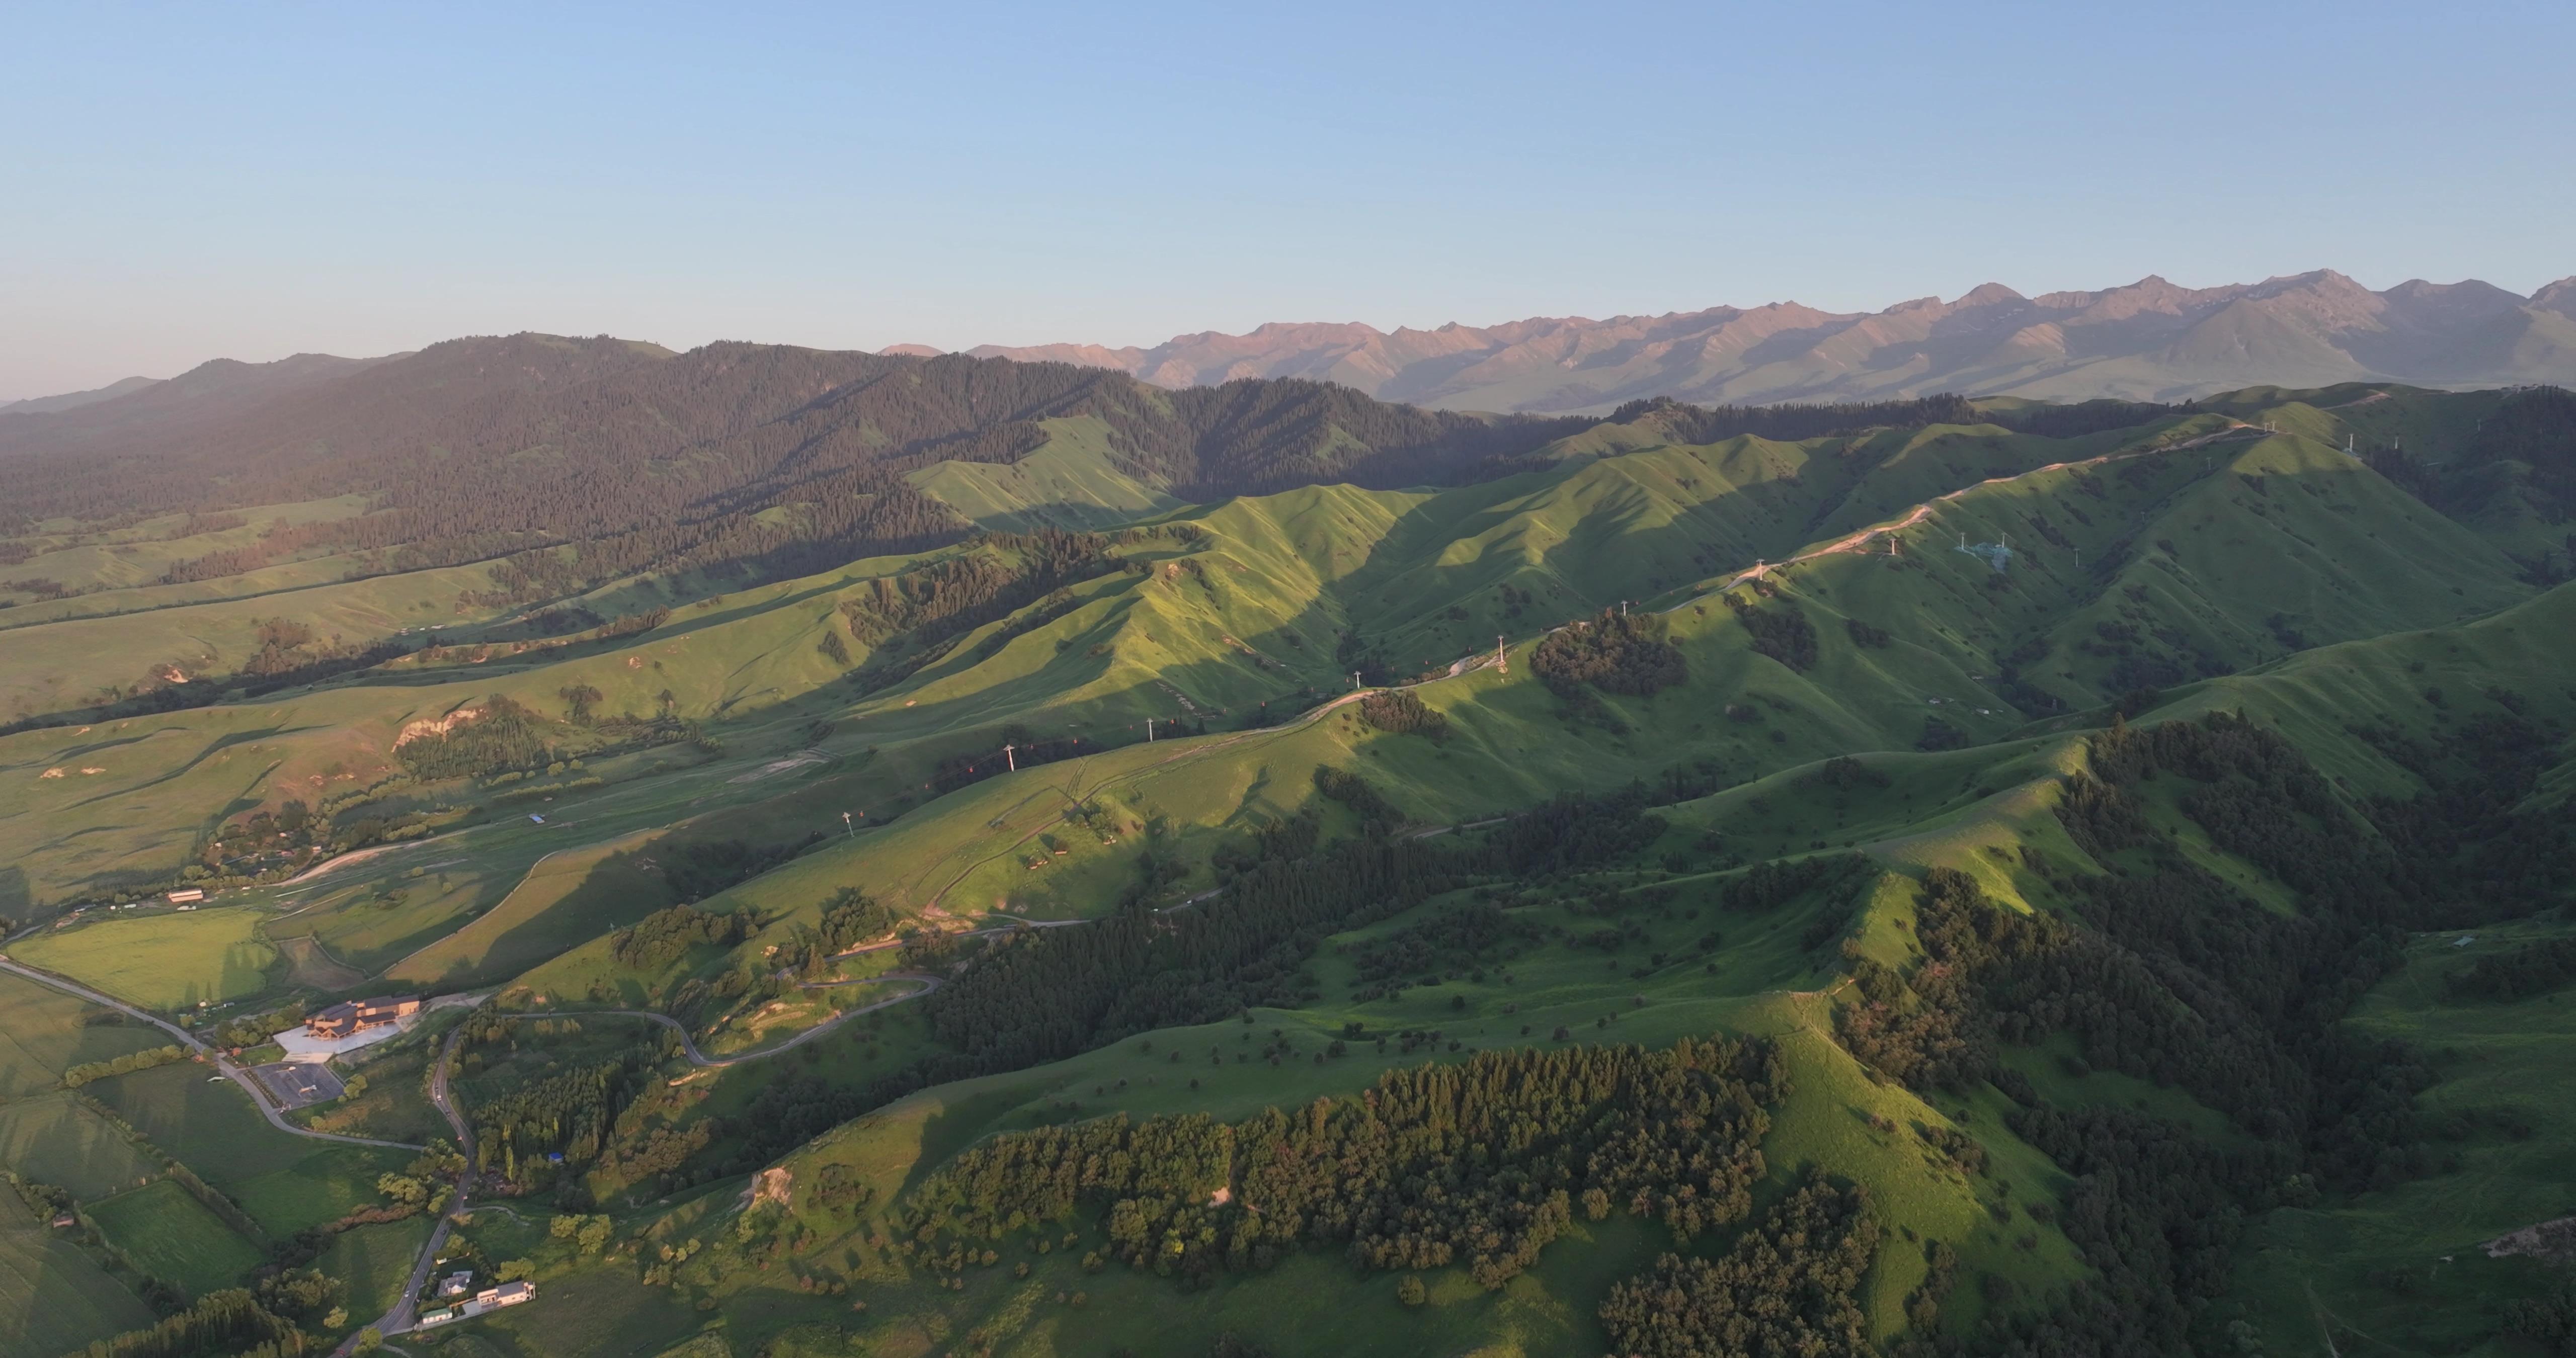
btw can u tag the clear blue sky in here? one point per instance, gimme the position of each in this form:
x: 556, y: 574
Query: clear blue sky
x: 187, y: 181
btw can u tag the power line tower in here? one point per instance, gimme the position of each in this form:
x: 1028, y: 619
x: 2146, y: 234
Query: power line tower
x: 1010, y: 758
x: 1502, y: 658
x: 1149, y: 730
x: 848, y: 826
x: 1355, y: 681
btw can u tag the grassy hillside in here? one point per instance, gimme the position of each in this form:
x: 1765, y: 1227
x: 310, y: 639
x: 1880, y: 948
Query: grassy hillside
x: 2066, y: 836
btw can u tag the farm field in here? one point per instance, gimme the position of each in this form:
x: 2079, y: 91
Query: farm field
x: 320, y: 1186
x: 375, y: 1261
x: 54, y: 1139
x: 173, y: 1237
x: 44, y: 1032
x: 286, y: 1183
x: 53, y: 1299
x: 168, y: 962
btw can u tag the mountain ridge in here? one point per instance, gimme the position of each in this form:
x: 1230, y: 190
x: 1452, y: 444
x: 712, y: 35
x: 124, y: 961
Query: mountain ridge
x: 2148, y: 340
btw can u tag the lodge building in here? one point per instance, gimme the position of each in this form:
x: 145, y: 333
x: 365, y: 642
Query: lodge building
x: 354, y: 1016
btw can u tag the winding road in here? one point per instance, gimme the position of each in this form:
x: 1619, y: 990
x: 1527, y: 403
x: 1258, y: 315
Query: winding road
x: 405, y: 1315
x: 223, y: 1064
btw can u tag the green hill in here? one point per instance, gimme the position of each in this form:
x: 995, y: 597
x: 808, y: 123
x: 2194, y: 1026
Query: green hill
x: 1998, y: 879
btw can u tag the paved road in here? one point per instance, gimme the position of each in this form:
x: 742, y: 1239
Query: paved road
x: 223, y: 1064
x: 405, y: 1315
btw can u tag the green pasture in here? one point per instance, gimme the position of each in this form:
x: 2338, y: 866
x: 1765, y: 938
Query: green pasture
x: 53, y: 1298
x: 2404, y: 1269
x: 168, y: 962
x: 376, y: 1263
x: 44, y: 1032
x: 320, y: 1187
x: 395, y: 1105
x: 54, y: 1139
x: 136, y: 554
x: 285, y: 1182
x: 60, y: 665
x: 172, y: 1236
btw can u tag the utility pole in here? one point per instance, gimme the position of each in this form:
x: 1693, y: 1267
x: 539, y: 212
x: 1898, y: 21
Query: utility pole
x: 1010, y: 758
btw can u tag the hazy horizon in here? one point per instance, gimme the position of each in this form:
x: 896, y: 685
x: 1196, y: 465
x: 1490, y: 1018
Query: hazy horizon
x: 254, y: 184
x: 2373, y: 284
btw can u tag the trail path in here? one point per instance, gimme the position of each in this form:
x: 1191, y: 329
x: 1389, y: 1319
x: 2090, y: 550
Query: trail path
x: 224, y: 1065
x: 403, y: 1317
x: 1075, y: 792
x: 1861, y: 541
x: 689, y: 1044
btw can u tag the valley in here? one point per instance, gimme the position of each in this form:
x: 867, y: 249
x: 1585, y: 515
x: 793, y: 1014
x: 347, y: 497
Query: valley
x: 964, y: 856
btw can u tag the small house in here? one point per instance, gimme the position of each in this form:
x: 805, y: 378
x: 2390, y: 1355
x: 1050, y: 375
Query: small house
x: 507, y: 1294
x: 456, y: 1284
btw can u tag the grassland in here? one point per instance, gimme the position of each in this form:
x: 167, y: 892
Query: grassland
x: 376, y: 1262
x: 395, y: 1104
x: 2405, y: 1269
x: 53, y: 1298
x: 171, y: 1236
x: 2254, y: 570
x: 170, y: 961
x: 44, y: 1032
x: 54, y: 1139
x: 285, y: 1182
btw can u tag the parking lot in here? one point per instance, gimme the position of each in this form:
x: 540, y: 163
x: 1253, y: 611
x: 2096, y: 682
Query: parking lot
x: 298, y: 1084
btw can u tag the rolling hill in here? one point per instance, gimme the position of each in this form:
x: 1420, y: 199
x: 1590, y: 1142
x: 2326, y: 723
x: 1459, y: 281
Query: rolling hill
x: 1278, y: 872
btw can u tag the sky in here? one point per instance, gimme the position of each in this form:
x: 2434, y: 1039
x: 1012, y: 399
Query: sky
x: 185, y: 182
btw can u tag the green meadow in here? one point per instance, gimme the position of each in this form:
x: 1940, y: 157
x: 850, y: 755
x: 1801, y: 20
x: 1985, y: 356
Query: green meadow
x: 171, y: 1236
x: 169, y: 961
x: 54, y: 1298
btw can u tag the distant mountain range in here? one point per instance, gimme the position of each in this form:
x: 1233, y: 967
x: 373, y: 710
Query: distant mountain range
x: 2150, y: 340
